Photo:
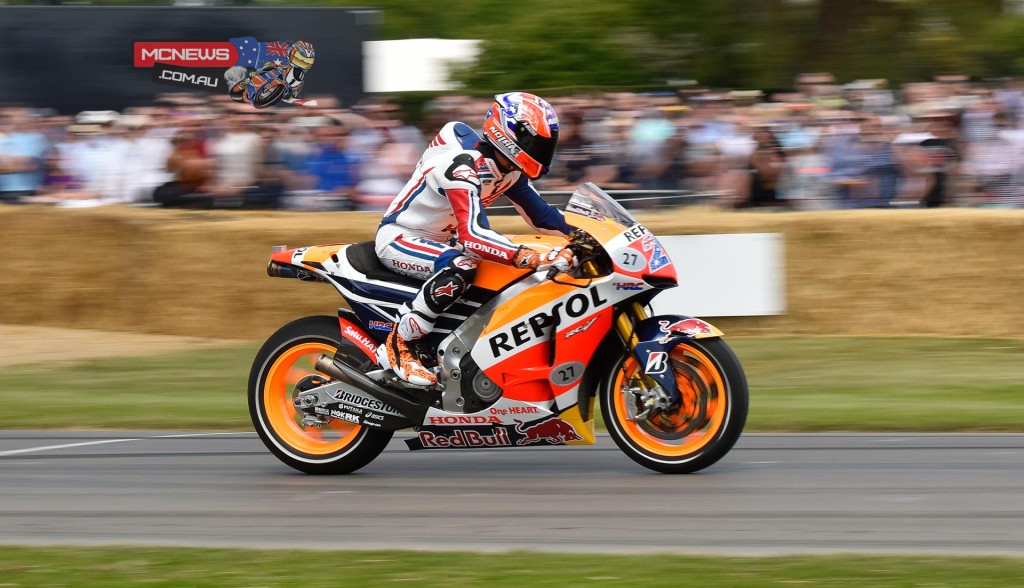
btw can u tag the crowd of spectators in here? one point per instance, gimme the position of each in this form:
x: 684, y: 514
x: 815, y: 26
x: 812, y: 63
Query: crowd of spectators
x: 949, y: 142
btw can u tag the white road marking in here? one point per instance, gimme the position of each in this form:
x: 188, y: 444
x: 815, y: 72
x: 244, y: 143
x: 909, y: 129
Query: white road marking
x: 107, y: 441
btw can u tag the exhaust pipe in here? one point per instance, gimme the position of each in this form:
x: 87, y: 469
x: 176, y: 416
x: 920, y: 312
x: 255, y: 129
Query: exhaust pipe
x: 411, y: 408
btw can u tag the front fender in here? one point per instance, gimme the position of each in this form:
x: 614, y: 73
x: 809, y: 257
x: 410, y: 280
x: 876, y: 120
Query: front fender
x: 657, y: 336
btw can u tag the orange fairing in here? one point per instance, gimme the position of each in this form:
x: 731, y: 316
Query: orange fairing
x: 602, y: 230
x: 320, y: 253
x: 315, y: 255
x: 494, y: 276
x: 527, y: 375
x: 282, y: 256
x: 525, y: 304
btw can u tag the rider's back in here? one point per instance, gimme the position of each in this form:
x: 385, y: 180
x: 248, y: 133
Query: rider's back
x: 421, y: 204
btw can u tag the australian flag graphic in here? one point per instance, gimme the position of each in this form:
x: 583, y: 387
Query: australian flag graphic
x: 253, y: 53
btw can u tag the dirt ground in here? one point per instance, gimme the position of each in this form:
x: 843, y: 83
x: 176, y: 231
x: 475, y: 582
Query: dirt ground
x: 24, y: 344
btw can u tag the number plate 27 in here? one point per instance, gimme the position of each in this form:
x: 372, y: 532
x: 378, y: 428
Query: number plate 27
x: 566, y: 373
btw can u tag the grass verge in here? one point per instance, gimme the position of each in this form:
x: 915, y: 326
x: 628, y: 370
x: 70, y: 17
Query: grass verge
x: 797, y: 384
x: 30, y: 566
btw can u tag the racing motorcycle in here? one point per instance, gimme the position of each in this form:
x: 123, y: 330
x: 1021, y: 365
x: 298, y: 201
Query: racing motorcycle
x: 522, y: 358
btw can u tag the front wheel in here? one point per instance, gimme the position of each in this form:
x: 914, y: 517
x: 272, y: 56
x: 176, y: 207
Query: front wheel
x: 287, y: 359
x: 704, y: 427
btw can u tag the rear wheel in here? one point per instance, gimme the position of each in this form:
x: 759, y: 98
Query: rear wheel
x: 701, y: 430
x: 284, y: 364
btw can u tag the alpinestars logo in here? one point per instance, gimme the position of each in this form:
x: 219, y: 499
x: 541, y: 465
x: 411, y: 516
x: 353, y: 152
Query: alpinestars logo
x: 446, y: 290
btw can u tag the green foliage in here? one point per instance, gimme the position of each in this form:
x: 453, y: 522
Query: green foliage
x: 535, y: 44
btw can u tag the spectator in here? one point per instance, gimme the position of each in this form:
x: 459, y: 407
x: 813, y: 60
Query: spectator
x: 192, y: 172
x: 765, y: 164
x: 59, y: 187
x: 147, y: 152
x: 22, y: 147
x: 334, y: 169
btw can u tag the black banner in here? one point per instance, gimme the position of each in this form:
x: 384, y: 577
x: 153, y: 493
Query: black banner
x: 74, y: 58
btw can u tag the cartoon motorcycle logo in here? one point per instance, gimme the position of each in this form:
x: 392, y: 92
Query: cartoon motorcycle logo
x: 274, y: 81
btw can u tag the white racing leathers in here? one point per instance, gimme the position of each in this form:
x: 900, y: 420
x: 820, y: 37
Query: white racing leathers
x: 436, y: 228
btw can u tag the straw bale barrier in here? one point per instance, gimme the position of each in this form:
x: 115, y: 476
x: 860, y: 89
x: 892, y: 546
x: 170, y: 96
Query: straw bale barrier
x: 896, y: 272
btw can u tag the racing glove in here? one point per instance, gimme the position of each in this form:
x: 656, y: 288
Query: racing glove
x: 526, y: 258
x: 559, y: 258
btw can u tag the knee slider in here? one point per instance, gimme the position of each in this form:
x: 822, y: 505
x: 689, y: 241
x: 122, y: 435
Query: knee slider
x: 449, y: 284
x: 465, y: 267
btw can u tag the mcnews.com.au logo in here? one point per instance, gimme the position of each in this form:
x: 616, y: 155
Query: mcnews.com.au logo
x: 259, y: 73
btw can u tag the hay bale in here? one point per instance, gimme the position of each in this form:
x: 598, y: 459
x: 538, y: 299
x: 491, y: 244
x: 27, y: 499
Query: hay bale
x: 203, y: 273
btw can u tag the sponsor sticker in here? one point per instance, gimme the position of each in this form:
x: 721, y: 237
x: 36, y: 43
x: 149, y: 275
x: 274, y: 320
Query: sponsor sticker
x: 657, y: 363
x: 460, y: 439
x: 629, y: 285
x: 554, y: 431
x: 533, y: 327
x: 363, y: 340
x: 581, y: 328
x: 690, y: 327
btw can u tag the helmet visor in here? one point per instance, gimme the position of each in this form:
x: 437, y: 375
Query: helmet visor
x: 540, y: 149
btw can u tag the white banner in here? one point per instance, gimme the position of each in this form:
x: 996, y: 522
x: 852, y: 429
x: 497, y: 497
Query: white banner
x: 725, y: 275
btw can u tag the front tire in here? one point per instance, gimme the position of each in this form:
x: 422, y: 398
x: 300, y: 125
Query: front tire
x: 702, y: 430
x: 285, y: 359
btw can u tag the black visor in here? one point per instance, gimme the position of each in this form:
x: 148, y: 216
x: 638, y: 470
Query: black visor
x: 541, y: 149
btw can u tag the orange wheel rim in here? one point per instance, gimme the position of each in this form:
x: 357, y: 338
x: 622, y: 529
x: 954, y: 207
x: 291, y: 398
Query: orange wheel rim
x: 699, y: 418
x: 278, y: 391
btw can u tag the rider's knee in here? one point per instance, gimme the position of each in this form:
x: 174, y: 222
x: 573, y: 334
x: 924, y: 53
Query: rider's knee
x: 464, y: 267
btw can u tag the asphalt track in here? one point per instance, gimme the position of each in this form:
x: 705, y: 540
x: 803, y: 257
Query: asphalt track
x: 773, y: 494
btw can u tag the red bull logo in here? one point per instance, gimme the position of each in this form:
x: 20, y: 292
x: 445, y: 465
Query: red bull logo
x: 463, y: 439
x: 554, y: 431
x: 690, y: 327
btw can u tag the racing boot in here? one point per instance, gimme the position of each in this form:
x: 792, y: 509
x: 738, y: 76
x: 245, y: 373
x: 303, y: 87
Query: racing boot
x: 396, y: 356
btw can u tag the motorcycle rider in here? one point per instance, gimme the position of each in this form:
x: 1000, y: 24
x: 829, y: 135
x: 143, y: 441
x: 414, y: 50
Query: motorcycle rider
x: 436, y: 229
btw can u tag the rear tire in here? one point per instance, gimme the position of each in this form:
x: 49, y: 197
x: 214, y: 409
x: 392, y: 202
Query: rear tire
x: 286, y: 358
x: 702, y: 430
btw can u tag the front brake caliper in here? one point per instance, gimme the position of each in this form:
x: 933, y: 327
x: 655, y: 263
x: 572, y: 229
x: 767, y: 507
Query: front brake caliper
x: 645, y: 400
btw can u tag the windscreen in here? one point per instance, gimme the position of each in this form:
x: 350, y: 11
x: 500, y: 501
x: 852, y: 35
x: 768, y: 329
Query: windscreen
x: 592, y: 202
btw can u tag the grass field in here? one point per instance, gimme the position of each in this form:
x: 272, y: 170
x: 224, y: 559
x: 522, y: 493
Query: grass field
x: 21, y: 566
x: 797, y: 384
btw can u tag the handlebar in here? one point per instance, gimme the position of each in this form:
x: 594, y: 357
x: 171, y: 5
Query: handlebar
x: 581, y: 244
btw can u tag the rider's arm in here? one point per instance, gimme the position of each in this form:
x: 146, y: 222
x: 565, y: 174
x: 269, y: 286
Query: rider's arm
x: 543, y: 217
x: 462, y: 187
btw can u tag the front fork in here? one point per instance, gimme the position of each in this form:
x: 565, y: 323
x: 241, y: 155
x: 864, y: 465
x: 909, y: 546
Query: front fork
x: 649, y: 395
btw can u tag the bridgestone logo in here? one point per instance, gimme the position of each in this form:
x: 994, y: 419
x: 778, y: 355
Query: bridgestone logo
x: 368, y: 403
